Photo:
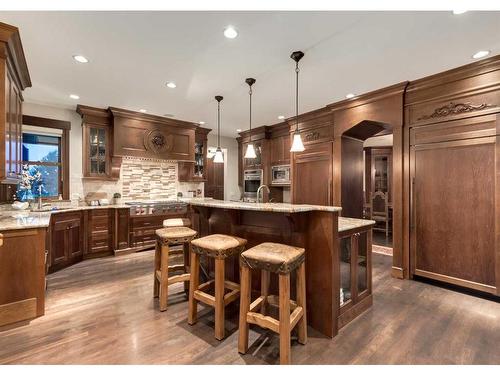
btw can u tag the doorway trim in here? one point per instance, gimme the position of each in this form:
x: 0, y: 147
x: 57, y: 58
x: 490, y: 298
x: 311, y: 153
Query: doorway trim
x: 382, y: 106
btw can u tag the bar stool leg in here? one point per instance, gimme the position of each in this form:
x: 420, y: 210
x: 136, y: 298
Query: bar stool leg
x: 156, y: 282
x: 284, y: 302
x: 245, y: 296
x: 194, y: 282
x: 219, y: 298
x: 164, y: 277
x: 186, y: 247
x: 301, y: 301
x: 265, y: 278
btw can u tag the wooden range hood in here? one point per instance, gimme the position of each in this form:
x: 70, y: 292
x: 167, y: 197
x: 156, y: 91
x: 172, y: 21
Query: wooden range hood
x: 140, y: 135
x: 148, y: 136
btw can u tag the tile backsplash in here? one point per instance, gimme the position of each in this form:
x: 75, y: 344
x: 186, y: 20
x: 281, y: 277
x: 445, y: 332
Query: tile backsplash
x: 148, y: 179
x: 143, y: 179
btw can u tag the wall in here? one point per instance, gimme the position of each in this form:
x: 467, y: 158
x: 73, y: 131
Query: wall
x: 158, y: 179
x: 231, y: 189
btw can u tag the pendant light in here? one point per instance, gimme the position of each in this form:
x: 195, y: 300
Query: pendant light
x: 250, y: 153
x: 297, y: 145
x: 219, y: 156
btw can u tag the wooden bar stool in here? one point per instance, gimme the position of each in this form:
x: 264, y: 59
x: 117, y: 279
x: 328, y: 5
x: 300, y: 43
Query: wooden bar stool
x: 220, y: 247
x: 165, y: 237
x: 177, y: 222
x: 281, y: 259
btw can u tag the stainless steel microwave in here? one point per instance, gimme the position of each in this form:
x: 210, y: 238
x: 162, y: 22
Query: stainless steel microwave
x: 280, y: 175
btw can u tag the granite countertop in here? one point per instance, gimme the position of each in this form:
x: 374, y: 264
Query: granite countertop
x: 270, y: 207
x: 348, y: 223
x: 11, y: 219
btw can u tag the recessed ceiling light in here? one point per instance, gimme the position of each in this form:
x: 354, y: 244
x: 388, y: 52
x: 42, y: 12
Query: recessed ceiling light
x: 281, y: 117
x: 230, y: 32
x: 80, y: 59
x: 480, y: 54
x: 171, y: 85
x: 349, y: 96
x: 238, y: 130
x: 202, y: 123
x: 142, y: 110
x: 459, y: 11
x: 73, y: 96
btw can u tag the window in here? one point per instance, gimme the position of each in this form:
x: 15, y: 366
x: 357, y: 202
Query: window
x: 42, y: 154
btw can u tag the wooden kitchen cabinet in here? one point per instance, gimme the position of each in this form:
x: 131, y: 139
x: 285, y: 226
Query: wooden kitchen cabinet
x: 214, y: 187
x: 14, y: 78
x: 197, y: 171
x: 65, y: 239
x: 121, y: 229
x: 99, y: 232
x: 454, y: 212
x: 355, y: 273
x: 280, y: 150
x: 22, y: 274
x: 312, y: 175
x: 97, y: 144
x: 96, y: 140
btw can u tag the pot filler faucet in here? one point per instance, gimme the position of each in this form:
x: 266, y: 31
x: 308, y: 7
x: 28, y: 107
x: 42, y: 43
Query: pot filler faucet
x: 258, y: 193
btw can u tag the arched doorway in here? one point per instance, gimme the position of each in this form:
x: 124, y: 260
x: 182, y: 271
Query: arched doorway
x: 355, y: 121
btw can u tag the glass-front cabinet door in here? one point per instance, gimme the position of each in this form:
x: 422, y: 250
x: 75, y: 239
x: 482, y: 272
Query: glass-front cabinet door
x: 199, y: 160
x: 354, y: 272
x: 345, y: 270
x: 361, y: 263
x: 96, y: 163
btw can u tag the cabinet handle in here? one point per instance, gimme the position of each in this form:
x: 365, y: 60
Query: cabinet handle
x: 330, y: 192
x: 412, y: 204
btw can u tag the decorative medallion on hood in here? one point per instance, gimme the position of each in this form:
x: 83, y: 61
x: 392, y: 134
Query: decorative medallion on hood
x: 157, y: 142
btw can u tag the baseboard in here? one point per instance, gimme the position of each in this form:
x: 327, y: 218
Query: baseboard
x: 397, y: 272
x: 17, y: 311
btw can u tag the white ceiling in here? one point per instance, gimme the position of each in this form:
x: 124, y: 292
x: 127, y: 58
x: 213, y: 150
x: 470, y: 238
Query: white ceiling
x: 133, y: 54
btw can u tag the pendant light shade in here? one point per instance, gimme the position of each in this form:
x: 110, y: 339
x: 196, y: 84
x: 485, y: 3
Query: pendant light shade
x: 297, y: 145
x: 250, y: 152
x: 219, y: 156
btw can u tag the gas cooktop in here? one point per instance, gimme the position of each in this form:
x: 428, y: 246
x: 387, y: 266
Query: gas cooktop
x: 150, y: 207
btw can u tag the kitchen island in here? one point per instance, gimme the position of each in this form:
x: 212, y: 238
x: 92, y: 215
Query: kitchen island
x: 318, y: 229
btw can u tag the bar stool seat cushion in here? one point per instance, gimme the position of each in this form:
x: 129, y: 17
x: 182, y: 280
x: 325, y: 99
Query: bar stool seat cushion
x: 177, y: 222
x: 273, y: 257
x: 175, y: 235
x: 218, y: 245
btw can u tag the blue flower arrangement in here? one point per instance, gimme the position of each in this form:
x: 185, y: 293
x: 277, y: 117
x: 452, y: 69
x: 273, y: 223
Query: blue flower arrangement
x: 31, y: 183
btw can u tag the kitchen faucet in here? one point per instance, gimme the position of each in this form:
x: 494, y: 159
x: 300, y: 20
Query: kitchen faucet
x: 258, y: 193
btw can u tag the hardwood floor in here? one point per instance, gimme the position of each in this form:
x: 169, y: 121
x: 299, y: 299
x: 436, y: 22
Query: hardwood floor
x: 102, y: 311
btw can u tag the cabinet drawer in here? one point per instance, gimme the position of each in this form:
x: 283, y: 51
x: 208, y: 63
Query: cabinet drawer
x: 100, y: 235
x: 99, y: 213
x: 65, y: 217
x: 66, y: 224
x: 100, y: 223
x: 99, y: 244
x: 144, y: 232
x: 141, y: 222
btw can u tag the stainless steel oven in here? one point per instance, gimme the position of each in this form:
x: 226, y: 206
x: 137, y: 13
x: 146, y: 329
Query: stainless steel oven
x: 280, y: 175
x: 252, y: 179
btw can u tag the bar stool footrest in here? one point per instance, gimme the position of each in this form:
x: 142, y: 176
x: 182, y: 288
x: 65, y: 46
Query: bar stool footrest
x: 174, y: 279
x: 264, y: 321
